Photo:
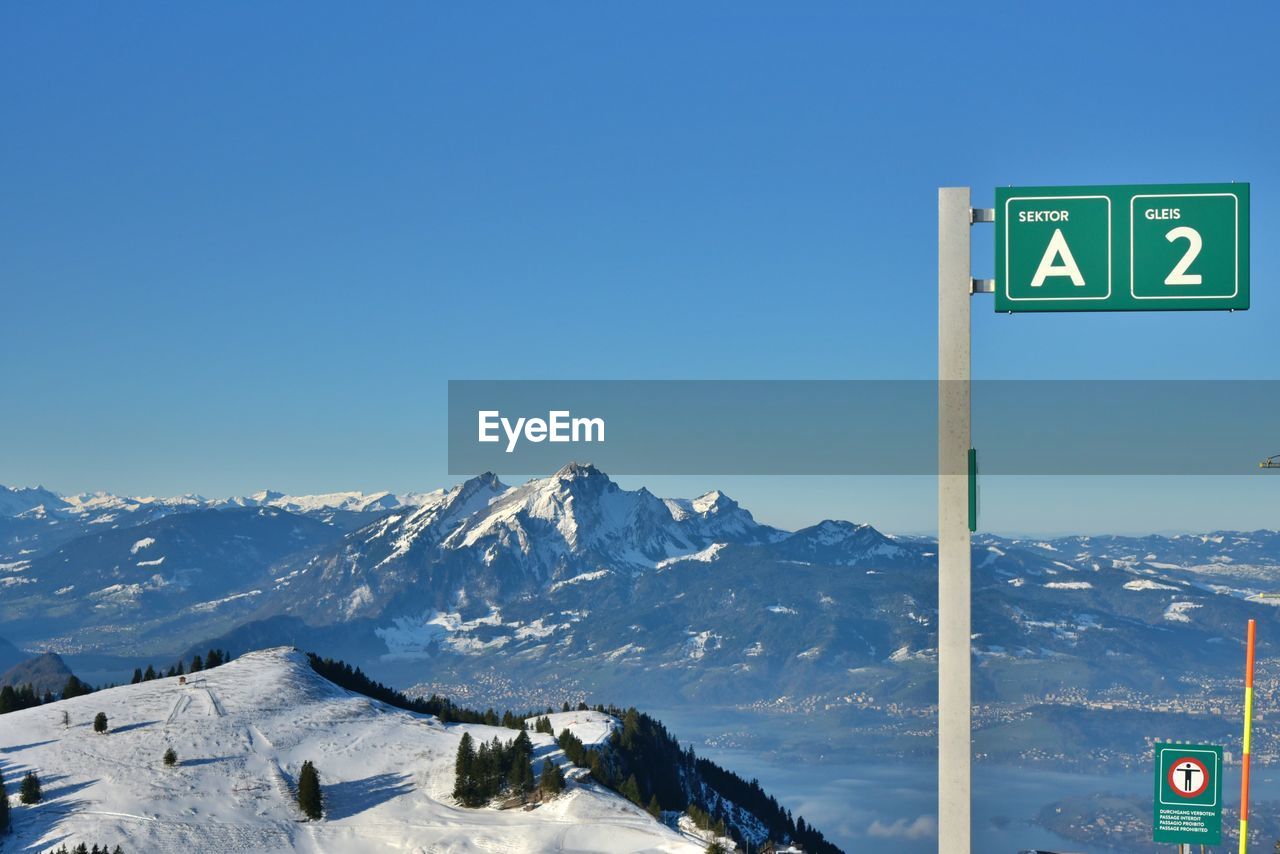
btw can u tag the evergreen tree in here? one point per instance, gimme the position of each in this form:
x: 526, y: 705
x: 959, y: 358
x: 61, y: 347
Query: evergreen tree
x: 630, y: 729
x: 196, y: 664
x: 631, y: 790
x: 213, y: 659
x: 655, y: 809
x: 170, y: 757
x: 595, y: 764
x: 100, y: 722
x: 74, y: 688
x: 572, y: 747
x: 150, y: 674
x: 715, y: 846
x: 13, y: 699
x: 4, y: 807
x: 464, y: 786
x: 492, y: 761
x: 481, y: 774
x: 29, y: 792
x: 551, y: 780
x: 520, y: 771
x: 309, y: 797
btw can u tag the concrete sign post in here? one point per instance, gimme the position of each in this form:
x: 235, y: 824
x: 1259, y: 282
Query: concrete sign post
x: 955, y: 287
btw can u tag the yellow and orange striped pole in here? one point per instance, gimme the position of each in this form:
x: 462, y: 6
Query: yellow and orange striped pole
x: 1248, y: 725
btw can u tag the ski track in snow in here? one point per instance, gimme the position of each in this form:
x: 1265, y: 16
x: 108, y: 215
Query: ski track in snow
x: 215, y: 704
x: 179, y: 706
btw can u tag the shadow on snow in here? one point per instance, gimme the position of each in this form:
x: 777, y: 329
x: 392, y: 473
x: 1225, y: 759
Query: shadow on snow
x: 352, y: 797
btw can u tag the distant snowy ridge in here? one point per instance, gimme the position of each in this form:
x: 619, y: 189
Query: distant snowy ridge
x: 15, y: 502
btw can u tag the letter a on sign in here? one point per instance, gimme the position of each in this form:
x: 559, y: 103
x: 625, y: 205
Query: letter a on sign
x: 1058, y: 248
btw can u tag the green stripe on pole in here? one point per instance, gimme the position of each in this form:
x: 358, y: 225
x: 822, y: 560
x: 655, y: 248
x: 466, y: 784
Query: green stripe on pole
x: 973, y: 490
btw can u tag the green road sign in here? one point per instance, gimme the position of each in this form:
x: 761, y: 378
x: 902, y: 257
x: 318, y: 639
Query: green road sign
x: 1161, y: 247
x: 1188, y: 799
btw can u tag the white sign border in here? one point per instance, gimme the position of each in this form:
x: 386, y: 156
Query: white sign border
x: 1192, y: 752
x: 1132, y: 284
x: 1007, y: 295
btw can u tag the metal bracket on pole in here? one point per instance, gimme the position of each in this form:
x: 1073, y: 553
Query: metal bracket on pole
x: 982, y: 286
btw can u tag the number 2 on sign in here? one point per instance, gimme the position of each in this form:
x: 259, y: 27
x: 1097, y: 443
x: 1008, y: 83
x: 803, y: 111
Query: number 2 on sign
x: 1180, y: 276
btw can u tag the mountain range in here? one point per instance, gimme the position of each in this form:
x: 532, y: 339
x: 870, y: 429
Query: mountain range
x: 571, y: 585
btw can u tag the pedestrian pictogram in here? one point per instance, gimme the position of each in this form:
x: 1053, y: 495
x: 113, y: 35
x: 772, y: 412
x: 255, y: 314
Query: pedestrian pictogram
x: 1188, y: 777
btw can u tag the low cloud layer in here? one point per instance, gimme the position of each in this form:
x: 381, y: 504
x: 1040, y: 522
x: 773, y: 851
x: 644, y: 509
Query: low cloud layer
x: 922, y: 827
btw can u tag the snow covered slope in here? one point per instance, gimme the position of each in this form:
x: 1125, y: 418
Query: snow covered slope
x: 242, y: 731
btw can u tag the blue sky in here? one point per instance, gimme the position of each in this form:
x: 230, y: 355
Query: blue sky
x: 243, y: 246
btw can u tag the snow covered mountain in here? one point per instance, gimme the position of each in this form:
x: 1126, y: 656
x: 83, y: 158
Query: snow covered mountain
x: 357, y: 502
x: 97, y: 505
x: 241, y: 733
x: 579, y: 517
x: 35, y: 521
x: 15, y: 502
x: 843, y: 544
x: 483, y: 542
